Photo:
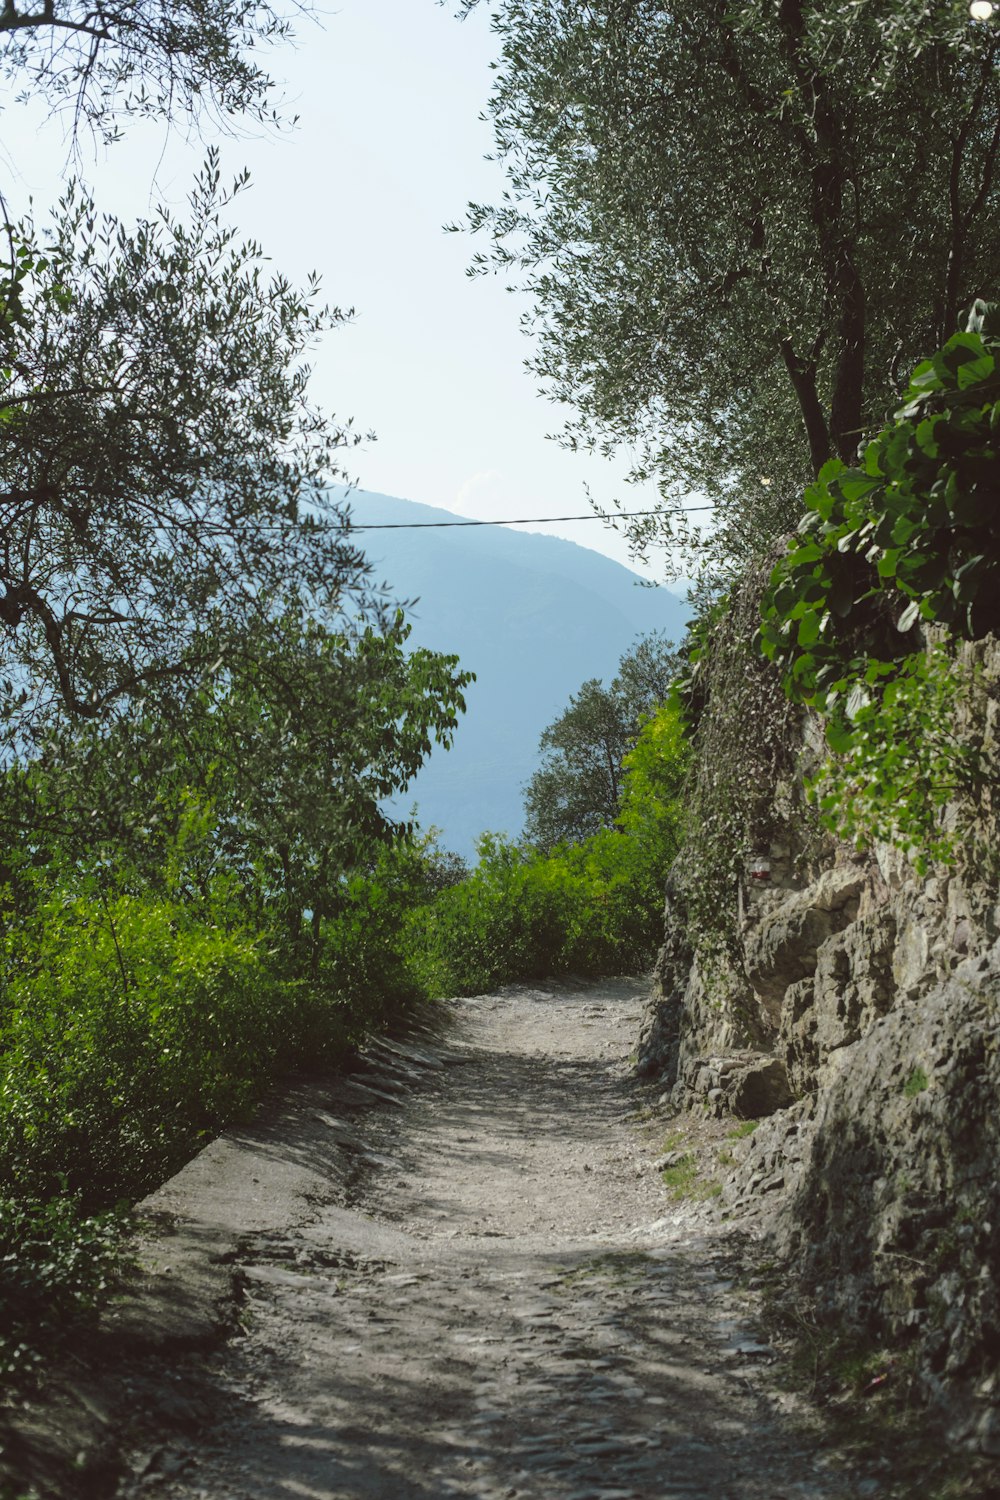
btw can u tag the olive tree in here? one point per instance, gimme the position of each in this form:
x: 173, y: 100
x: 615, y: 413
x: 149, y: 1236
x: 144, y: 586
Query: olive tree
x: 307, y: 746
x: 741, y: 224
x: 163, y: 474
x: 161, y: 58
x: 185, y: 621
x: 273, y: 772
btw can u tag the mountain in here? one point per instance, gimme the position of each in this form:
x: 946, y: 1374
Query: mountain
x: 533, y: 616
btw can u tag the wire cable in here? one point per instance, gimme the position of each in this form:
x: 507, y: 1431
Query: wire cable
x: 627, y: 515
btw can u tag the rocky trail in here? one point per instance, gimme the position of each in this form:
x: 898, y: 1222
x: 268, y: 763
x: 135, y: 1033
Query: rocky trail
x: 456, y: 1274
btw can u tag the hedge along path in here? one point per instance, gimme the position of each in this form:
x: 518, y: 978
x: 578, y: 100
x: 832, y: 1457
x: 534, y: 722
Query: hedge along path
x: 496, y: 1298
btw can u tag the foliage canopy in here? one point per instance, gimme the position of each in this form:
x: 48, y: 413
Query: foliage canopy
x: 590, y: 906
x: 738, y: 222
x: 577, y: 789
x: 905, y: 541
x: 909, y: 536
x: 163, y: 474
x: 142, y: 57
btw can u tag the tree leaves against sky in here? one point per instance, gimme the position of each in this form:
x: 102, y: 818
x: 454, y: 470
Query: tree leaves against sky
x: 740, y: 226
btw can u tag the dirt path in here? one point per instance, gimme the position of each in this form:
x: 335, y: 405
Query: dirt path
x: 497, y: 1299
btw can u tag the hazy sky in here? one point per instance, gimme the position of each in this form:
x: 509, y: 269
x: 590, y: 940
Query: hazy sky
x: 389, y: 148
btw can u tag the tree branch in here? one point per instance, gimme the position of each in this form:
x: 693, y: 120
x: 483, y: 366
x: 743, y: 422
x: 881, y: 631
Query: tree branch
x: 11, y: 21
x: 803, y: 378
x: 831, y: 175
x: 22, y: 600
x: 960, y: 221
x: 79, y: 390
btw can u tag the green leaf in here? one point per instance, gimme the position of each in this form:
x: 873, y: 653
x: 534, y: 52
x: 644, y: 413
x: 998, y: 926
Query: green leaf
x: 809, y: 629
x: 830, y: 470
x: 927, y: 380
x: 839, y: 736
x: 799, y: 556
x: 855, y: 484
x: 975, y: 371
x: 971, y: 565
x: 904, y: 529
x: 961, y: 349
x: 872, y: 459
x: 926, y: 440
x: 841, y: 596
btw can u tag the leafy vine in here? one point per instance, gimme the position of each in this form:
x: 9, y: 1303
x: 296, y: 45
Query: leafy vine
x: 904, y: 542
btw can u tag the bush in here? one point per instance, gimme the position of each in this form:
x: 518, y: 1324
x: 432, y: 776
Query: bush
x: 908, y: 538
x: 592, y: 907
x: 132, y: 1028
x: 55, y: 1266
x: 362, y: 975
x: 493, y: 927
x: 135, y: 1025
x: 908, y: 757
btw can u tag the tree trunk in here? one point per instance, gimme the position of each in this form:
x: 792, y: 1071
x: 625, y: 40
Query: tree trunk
x: 847, y: 399
x: 827, y: 153
x: 803, y: 378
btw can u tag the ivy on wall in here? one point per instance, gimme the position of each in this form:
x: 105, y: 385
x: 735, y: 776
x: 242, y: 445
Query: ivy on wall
x: 745, y: 736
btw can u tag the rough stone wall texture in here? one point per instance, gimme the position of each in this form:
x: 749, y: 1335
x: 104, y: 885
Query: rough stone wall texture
x: 874, y: 995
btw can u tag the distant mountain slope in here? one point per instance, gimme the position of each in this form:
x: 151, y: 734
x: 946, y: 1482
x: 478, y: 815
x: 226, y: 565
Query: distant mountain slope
x: 533, y: 616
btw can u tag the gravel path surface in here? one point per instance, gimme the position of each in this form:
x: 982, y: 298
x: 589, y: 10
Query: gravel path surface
x: 497, y: 1300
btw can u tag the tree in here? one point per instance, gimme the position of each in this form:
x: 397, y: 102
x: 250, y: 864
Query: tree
x: 310, y: 744
x: 271, y: 774
x: 655, y: 770
x: 740, y: 225
x: 577, y: 790
x: 157, y: 58
x: 163, y: 475
x: 190, y: 638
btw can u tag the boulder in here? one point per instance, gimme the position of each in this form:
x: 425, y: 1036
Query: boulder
x: 759, y: 1089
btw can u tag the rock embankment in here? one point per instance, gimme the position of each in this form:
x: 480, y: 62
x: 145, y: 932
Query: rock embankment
x: 868, y: 997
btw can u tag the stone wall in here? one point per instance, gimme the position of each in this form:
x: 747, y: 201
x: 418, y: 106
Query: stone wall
x: 868, y: 997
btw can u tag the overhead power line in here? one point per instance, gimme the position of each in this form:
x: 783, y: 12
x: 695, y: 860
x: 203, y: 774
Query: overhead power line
x: 626, y: 515
x: 321, y: 523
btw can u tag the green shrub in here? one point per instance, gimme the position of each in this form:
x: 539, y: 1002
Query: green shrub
x: 55, y: 1267
x: 909, y: 537
x: 592, y: 907
x: 905, y: 756
x: 362, y: 975
x: 614, y: 925
x: 496, y: 926
x: 132, y: 1028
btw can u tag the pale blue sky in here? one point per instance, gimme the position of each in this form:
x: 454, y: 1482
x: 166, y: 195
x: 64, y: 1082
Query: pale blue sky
x: 389, y: 147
